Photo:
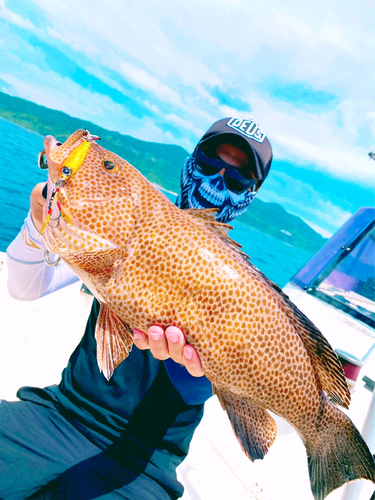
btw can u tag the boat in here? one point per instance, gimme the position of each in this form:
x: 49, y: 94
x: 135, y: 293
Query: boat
x: 335, y: 289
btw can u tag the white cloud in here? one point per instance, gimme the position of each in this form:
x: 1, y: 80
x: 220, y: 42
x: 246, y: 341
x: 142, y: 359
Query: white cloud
x: 170, y: 51
x: 314, y: 139
x: 14, y: 18
x: 185, y: 124
x: 98, y: 72
x: 151, y: 84
x: 152, y: 107
x: 163, y: 93
x: 64, y: 95
x: 147, y: 130
x: 306, y: 201
x: 333, y: 215
x: 134, y: 30
x: 190, y: 63
x: 151, y: 131
x: 322, y: 216
x: 324, y: 232
x: 338, y: 159
x: 76, y: 41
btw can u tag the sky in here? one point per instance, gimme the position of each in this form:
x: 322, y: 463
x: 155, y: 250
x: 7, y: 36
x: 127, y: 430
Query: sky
x: 165, y: 70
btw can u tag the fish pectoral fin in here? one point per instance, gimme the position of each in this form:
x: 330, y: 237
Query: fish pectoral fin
x: 253, y: 426
x: 114, y: 341
x: 85, y: 250
x: 96, y: 262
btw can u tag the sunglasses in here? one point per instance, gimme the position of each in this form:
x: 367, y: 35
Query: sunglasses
x: 234, y: 180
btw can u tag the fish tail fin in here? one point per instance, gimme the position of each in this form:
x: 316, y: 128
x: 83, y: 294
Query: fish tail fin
x: 339, y: 455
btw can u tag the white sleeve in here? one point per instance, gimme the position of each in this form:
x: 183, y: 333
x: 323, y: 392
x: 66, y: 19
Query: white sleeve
x: 29, y: 277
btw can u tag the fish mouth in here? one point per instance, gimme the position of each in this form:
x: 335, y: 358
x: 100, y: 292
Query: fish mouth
x: 62, y: 162
x: 52, y: 161
x: 53, y: 143
x: 44, y: 162
x: 50, y: 144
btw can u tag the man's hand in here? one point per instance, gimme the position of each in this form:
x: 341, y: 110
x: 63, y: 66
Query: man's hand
x: 37, y: 202
x: 170, y: 343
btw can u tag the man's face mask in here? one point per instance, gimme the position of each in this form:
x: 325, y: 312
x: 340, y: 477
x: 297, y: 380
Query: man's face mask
x: 203, y: 187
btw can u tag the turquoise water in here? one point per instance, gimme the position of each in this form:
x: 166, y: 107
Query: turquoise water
x: 19, y: 173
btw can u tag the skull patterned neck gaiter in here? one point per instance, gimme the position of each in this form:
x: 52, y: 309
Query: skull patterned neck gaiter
x: 203, y: 191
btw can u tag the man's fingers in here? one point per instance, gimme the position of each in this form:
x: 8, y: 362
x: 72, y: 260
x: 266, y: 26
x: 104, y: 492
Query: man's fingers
x: 176, y: 342
x: 158, y: 342
x: 169, y: 344
x: 192, y: 361
x: 140, y: 339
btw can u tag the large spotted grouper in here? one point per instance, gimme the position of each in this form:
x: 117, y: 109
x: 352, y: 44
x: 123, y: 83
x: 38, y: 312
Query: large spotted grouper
x: 148, y: 262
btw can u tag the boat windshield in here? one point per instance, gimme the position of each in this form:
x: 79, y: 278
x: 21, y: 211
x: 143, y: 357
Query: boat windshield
x: 351, y: 285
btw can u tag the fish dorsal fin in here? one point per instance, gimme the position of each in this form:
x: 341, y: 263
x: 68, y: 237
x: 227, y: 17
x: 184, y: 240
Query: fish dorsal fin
x: 114, y: 341
x: 253, y: 426
x: 324, y: 358
x: 203, y: 213
x: 207, y: 217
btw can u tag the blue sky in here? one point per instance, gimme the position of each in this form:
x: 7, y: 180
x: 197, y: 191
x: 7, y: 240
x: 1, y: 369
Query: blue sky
x: 164, y: 71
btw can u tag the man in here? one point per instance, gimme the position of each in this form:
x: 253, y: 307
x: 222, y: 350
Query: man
x: 123, y: 438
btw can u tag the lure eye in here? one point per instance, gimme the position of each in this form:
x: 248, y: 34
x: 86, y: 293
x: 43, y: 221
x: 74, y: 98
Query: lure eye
x: 66, y: 171
x: 110, y: 166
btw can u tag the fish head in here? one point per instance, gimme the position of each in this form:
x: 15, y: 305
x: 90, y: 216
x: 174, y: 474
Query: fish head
x: 89, y: 207
x: 85, y: 170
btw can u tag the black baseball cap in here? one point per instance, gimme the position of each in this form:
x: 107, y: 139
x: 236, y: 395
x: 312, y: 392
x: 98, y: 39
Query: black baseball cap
x: 253, y: 137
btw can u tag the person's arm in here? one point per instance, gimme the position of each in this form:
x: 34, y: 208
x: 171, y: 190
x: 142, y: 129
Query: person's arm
x: 29, y: 277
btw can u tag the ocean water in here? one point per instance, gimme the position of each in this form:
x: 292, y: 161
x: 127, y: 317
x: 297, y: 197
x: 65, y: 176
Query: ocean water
x: 19, y: 173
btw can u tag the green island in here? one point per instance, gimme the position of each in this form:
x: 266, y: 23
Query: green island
x: 161, y: 164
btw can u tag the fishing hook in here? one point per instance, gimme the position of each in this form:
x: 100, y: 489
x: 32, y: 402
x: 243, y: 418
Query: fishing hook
x: 48, y: 261
x: 57, y: 220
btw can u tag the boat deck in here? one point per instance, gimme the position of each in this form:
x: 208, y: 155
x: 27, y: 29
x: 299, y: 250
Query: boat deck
x: 36, y: 341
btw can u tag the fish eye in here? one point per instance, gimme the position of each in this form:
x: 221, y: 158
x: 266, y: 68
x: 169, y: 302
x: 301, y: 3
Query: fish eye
x: 110, y: 166
x: 58, y: 143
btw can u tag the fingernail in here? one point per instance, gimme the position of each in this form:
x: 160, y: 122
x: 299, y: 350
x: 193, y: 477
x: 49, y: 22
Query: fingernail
x: 155, y: 336
x: 188, y: 353
x: 135, y: 335
x: 172, y: 337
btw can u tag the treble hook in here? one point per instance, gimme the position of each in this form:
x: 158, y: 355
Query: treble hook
x: 90, y: 137
x: 48, y: 261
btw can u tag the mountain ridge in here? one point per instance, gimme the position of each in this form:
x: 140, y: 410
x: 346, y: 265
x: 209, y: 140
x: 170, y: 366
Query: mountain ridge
x: 161, y: 164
